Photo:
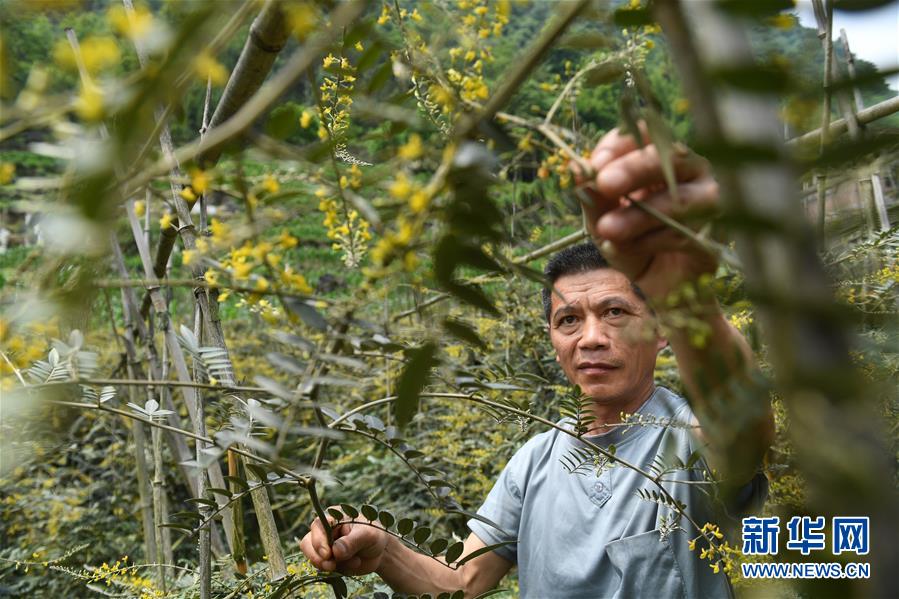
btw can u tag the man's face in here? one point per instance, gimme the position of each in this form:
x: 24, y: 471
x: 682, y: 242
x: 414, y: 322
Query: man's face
x: 604, y: 336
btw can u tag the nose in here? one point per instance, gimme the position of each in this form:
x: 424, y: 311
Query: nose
x: 594, y: 334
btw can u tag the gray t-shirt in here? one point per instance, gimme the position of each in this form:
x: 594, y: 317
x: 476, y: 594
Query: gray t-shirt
x: 583, y: 535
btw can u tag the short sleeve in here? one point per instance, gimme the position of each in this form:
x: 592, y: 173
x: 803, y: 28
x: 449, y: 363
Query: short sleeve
x: 503, y: 508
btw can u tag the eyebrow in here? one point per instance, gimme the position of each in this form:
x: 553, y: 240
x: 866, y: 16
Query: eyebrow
x: 615, y: 300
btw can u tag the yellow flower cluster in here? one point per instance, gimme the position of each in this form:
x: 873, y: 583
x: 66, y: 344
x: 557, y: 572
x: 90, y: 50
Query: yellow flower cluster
x: 719, y: 552
x: 336, y: 98
x: 97, y: 53
x: 349, y: 232
x: 742, y: 320
x: 122, y: 575
x: 556, y: 162
x: 23, y: 347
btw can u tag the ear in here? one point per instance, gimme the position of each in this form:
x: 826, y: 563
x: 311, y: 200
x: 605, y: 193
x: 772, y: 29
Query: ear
x: 661, y: 343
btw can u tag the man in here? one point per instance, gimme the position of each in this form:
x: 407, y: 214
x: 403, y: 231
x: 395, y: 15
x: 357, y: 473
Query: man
x: 593, y: 536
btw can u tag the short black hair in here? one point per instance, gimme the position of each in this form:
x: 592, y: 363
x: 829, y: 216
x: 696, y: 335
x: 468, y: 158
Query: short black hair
x: 572, y: 260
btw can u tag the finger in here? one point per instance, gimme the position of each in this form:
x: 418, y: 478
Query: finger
x: 363, y: 541
x: 313, y: 556
x: 613, y: 144
x: 319, y: 540
x: 629, y: 222
x: 643, y: 168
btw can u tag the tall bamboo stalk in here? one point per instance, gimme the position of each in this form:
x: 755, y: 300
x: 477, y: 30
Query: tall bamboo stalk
x: 158, y: 499
x: 203, y: 548
x: 824, y: 15
x: 874, y: 177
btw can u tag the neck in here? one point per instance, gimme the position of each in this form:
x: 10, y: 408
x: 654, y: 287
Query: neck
x: 606, y: 413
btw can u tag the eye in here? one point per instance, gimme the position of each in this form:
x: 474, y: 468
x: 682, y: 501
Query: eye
x: 615, y: 312
x: 568, y: 319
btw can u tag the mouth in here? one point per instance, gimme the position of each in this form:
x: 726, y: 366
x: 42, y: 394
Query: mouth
x: 596, y: 368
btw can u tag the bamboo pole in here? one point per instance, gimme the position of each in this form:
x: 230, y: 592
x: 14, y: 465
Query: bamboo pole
x: 876, y: 187
x: 267, y: 37
x: 204, y: 573
x: 188, y: 389
x: 824, y: 17
x: 839, y: 126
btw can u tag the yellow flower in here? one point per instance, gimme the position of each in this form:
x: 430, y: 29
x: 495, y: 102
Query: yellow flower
x: 328, y: 60
x: 90, y: 103
x: 273, y: 259
x: 305, y: 119
x: 270, y: 184
x: 97, y: 53
x: 166, y: 221
x: 286, y: 240
x: 418, y: 201
x: 301, y: 18
x: 187, y: 256
x: 212, y: 278
x: 359, y: 47
x: 207, y: 67
x: 188, y: 194
x: 219, y: 230
x: 415, y: 16
x: 782, y: 21
x: 140, y: 208
x: 199, y: 180
x: 262, y: 284
x: 7, y: 172
x: 133, y: 24
x: 410, y: 261
x: 411, y: 149
x: 400, y: 188
x: 242, y: 269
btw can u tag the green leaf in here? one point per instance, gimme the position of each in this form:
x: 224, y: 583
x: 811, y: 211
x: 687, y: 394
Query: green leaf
x: 283, y: 121
x: 605, y: 72
x: 349, y: 510
x: 307, y: 313
x: 413, y: 379
x: 386, y: 519
x: 453, y: 553
x: 437, y: 546
x: 223, y: 492
x: 335, y: 513
x: 482, y: 551
x: 203, y: 501
x: 405, y: 526
x: 260, y: 472
x: 633, y: 17
x: 370, y: 512
x: 768, y: 78
x: 237, y: 481
x: 338, y: 586
x: 463, y: 332
x: 176, y: 526
x: 755, y: 8
x: 586, y: 40
x: 421, y: 534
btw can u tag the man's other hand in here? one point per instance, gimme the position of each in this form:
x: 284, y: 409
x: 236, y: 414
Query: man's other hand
x: 651, y: 254
x: 357, y: 548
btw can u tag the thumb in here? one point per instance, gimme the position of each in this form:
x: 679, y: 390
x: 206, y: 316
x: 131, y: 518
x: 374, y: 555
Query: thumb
x: 362, y: 541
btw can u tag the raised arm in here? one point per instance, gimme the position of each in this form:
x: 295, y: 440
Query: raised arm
x: 711, y: 354
x: 361, y: 549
